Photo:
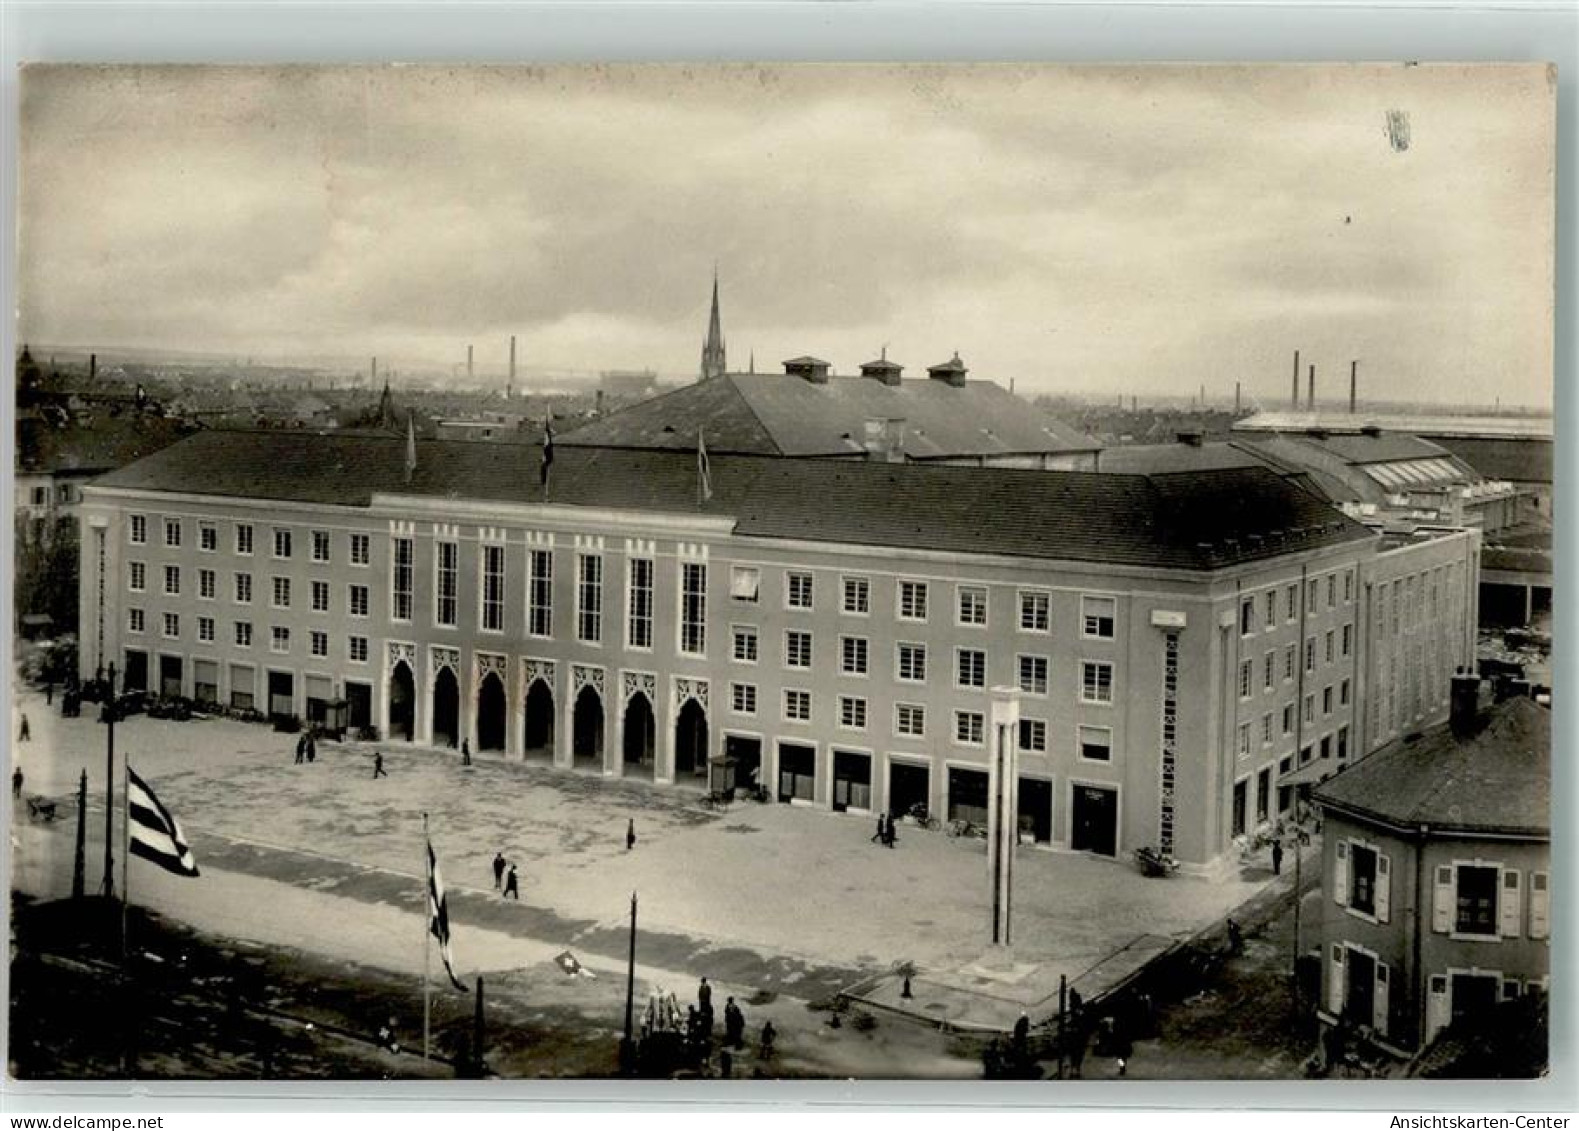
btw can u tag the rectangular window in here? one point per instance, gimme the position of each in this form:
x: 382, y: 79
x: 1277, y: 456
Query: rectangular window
x: 320, y: 597
x: 243, y: 634
x: 1247, y: 616
x: 910, y: 720
x: 852, y: 712
x: 1033, y: 736
x: 401, y: 570
x: 1476, y: 900
x: 1313, y: 598
x: 356, y: 649
x: 743, y: 698
x: 1269, y: 671
x: 797, y: 706
x: 745, y: 582
x: 1288, y: 719
x: 853, y: 655
x: 1096, y: 682
x: 1264, y: 795
x: 172, y: 581
x: 318, y: 643
x: 137, y: 529
x: 1246, y: 678
x: 1035, y: 612
x: 1326, y: 700
x: 1310, y: 708
x: 1096, y: 616
x: 1244, y: 740
x: 205, y: 629
x: 1331, y: 646
x: 912, y: 665
x: 744, y: 648
x: 589, y: 598
x: 1348, y: 638
x: 797, y: 590
x: 968, y: 728
x: 540, y: 593
x: 693, y: 608
x: 1343, y: 694
x: 1271, y: 610
x: 638, y: 625
x: 1288, y: 663
x: 913, y: 600
x: 207, y: 537
x: 172, y: 626
x: 279, y: 638
x: 1033, y: 674
x: 970, y: 667
x: 1362, y: 878
x: 137, y: 579
x: 280, y: 594
x: 1239, y: 808
x: 857, y: 596
x: 135, y: 620
x: 972, y: 605
x: 1332, y: 591
x: 244, y: 538
x: 207, y: 584
x: 1266, y: 729
x: 356, y: 600
x: 282, y: 543
x: 1310, y: 654
x: 1291, y: 611
x: 492, y: 587
x: 1096, y: 743
x: 321, y: 548
x: 797, y: 649
x: 172, y: 533
x: 446, y: 583
x: 1343, y: 742
x: 361, y: 549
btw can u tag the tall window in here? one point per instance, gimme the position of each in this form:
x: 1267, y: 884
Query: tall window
x: 745, y: 644
x: 797, y: 593
x: 137, y: 582
x: 321, y: 552
x: 361, y: 549
x: 1269, y: 671
x: 205, y: 629
x: 912, y: 665
x: 1476, y: 903
x: 356, y: 649
x: 446, y: 562
x: 913, y: 600
x: 968, y: 728
x: 172, y: 581
x: 972, y: 605
x: 853, y: 655
x: 1096, y: 682
x: 1271, y: 609
x: 1033, y: 674
x: 492, y: 587
x: 137, y: 529
x: 797, y: 649
x: 281, y: 596
x: 971, y: 667
x: 244, y: 538
x: 1035, y: 615
x: 797, y: 706
x: 639, y: 626
x: 852, y: 712
x: 693, y: 608
x: 589, y: 598
x: 320, y: 598
x: 540, y: 593
x: 743, y: 698
x: 400, y: 587
x: 857, y: 596
x: 1096, y: 615
x: 1362, y: 878
x: 356, y: 600
x: 318, y: 643
x: 172, y: 626
x: 172, y: 533
x: 207, y: 584
x: 135, y: 620
x: 1033, y: 736
x: 1247, y: 616
x: 279, y: 638
x: 282, y: 543
x: 1246, y: 678
x: 207, y: 537
x: 243, y: 634
x: 243, y: 588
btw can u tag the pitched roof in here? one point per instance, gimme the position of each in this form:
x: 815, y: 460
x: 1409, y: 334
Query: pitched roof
x: 1526, y: 460
x: 1203, y: 520
x: 107, y: 442
x: 1497, y: 780
x: 778, y: 414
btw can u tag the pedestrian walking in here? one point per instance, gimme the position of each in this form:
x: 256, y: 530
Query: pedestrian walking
x: 16, y: 782
x: 26, y: 733
x: 769, y: 1035
x: 734, y: 1025
x: 630, y: 834
x: 49, y: 693
x: 498, y: 870
x: 891, y: 837
x: 512, y: 885
x: 301, y: 749
x: 378, y: 765
x: 881, y: 835
x: 1277, y: 857
x: 466, y: 752
x: 312, y: 749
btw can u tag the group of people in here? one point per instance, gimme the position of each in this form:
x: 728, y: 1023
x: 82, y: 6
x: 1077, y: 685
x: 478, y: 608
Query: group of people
x: 885, y: 830
x: 306, y: 748
x: 505, y: 880
x: 697, y: 1025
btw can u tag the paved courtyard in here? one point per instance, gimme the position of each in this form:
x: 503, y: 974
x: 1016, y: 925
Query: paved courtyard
x: 802, y: 894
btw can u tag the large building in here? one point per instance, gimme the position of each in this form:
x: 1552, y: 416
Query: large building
x: 1437, y: 855
x: 834, y: 629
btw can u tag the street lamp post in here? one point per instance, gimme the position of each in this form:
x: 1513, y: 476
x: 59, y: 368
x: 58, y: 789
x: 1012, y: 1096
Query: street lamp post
x: 108, y: 887
x: 1003, y: 824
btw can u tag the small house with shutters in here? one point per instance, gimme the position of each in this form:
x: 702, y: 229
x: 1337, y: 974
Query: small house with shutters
x: 1437, y: 858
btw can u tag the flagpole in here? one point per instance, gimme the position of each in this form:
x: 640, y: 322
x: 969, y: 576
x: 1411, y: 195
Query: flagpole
x: 128, y: 1058
x: 427, y: 932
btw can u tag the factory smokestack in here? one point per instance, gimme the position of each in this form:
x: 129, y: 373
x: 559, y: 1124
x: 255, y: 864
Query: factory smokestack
x: 512, y: 359
x: 93, y: 366
x: 1236, y: 398
x: 1310, y: 391
x: 1354, y: 385
x: 469, y: 369
x: 1295, y: 404
x: 372, y: 381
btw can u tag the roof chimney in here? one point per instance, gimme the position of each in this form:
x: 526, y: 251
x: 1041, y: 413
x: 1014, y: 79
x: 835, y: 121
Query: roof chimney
x: 811, y: 369
x: 1464, y: 701
x: 883, y: 370
x: 951, y: 371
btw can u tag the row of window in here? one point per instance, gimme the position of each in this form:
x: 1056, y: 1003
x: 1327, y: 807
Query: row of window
x: 1259, y: 612
x: 359, y: 546
x: 1333, y: 697
x: 280, y: 589
x: 1338, y: 644
x: 241, y: 635
x: 1472, y: 899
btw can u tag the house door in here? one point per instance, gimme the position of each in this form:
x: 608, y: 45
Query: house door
x: 852, y: 781
x: 747, y: 754
x: 1359, y: 1002
x: 359, y: 705
x: 135, y: 677
x: 169, y: 676
x: 282, y: 694
x: 1095, y: 820
x: 1474, y: 996
x: 797, y: 772
x: 909, y: 788
x: 1036, y: 809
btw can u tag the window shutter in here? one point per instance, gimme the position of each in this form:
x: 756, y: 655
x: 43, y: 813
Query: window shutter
x: 1379, y: 1002
x: 1540, y: 905
x: 1384, y: 886
x: 1335, y: 985
x: 1442, y: 906
x: 1340, y: 875
x: 1436, y: 1009
x: 1512, y: 904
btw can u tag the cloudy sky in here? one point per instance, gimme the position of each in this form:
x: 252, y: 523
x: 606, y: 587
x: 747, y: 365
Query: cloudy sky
x: 1099, y: 231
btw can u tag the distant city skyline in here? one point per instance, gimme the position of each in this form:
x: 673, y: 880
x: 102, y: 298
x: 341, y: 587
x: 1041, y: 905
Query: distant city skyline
x: 1091, y: 231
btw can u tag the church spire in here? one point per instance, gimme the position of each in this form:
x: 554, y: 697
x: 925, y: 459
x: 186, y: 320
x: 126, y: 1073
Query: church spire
x: 713, y: 348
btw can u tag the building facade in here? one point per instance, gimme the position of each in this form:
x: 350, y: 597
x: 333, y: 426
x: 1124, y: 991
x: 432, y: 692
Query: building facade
x: 833, y: 631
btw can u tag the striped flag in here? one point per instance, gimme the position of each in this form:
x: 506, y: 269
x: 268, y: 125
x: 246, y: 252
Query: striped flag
x: 548, y: 450
x: 411, y: 446
x: 704, y: 470
x: 154, y: 833
x: 439, y: 916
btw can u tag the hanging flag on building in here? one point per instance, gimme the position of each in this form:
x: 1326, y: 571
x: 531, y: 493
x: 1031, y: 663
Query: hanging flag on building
x: 704, y: 471
x: 154, y: 834
x: 439, y: 916
x: 411, y: 446
x: 548, y: 448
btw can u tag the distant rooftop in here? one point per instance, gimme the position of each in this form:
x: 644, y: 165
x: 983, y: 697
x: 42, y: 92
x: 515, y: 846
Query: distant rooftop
x: 108, y: 441
x: 1530, y: 427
